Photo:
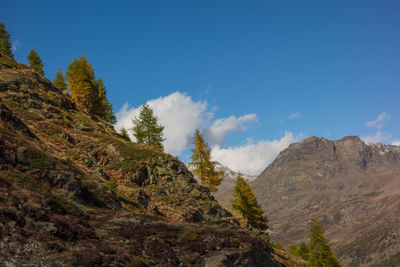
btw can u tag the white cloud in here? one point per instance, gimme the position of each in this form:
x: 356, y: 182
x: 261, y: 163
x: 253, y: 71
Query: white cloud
x: 396, y: 143
x: 15, y: 45
x: 294, y: 116
x: 219, y: 129
x: 251, y: 158
x: 378, y: 123
x: 379, y: 137
x: 179, y: 115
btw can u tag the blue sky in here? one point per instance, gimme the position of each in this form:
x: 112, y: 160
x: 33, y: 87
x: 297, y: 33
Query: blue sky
x: 335, y: 64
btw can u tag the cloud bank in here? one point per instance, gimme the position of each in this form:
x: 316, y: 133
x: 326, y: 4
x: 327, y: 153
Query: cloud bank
x: 219, y: 129
x: 251, y: 158
x: 396, y: 143
x: 379, y: 122
x: 379, y: 137
x: 179, y: 115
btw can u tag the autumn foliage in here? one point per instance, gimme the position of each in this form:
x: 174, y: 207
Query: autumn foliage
x: 245, y: 204
x: 88, y: 93
x: 203, y: 167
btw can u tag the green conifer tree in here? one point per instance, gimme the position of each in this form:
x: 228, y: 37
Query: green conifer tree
x: 293, y: 249
x: 100, y: 106
x: 203, y: 167
x: 320, y: 254
x: 301, y: 250
x: 59, y: 80
x: 35, y: 62
x: 146, y: 128
x: 125, y: 134
x: 245, y: 204
x: 5, y: 45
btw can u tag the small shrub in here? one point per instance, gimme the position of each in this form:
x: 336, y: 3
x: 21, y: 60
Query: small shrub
x: 301, y: 250
x: 131, y: 151
x: 26, y: 182
x: 277, y: 245
x: 208, y: 203
x: 160, y: 191
x: 139, y: 260
x: 33, y: 185
x: 65, y: 205
x: 51, y: 96
x: 34, y: 114
x: 112, y: 184
x: 189, y: 236
x: 61, y: 140
x: 263, y: 235
x: 124, y: 198
x: 236, y: 240
x: 37, y: 159
x: 125, y: 165
x: 124, y: 134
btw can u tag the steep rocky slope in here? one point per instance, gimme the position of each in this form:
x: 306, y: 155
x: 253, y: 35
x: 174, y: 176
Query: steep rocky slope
x: 60, y: 205
x: 353, y: 187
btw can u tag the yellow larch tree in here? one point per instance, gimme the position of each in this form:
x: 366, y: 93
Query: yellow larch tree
x: 203, y: 167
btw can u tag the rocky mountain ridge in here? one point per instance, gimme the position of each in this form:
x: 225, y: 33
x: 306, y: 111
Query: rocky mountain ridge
x: 73, y: 192
x: 353, y: 187
x: 231, y: 175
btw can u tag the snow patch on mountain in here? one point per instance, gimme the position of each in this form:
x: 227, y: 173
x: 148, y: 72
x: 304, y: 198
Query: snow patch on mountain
x: 228, y: 173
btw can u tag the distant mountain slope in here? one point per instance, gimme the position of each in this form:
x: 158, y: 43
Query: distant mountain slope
x: 224, y: 195
x: 231, y: 175
x: 353, y: 187
x: 73, y: 192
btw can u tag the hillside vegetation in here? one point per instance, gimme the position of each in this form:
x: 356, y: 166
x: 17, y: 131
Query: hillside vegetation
x: 75, y: 192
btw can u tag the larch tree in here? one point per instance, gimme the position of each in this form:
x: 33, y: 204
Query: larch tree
x: 59, y: 80
x: 100, y: 106
x: 35, y: 62
x: 245, y: 204
x: 87, y: 92
x: 81, y: 82
x: 203, y: 167
x: 5, y: 45
x: 320, y: 254
x: 146, y: 128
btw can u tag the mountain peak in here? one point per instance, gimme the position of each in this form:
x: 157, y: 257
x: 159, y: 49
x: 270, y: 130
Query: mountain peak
x: 352, y: 186
x: 230, y: 174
